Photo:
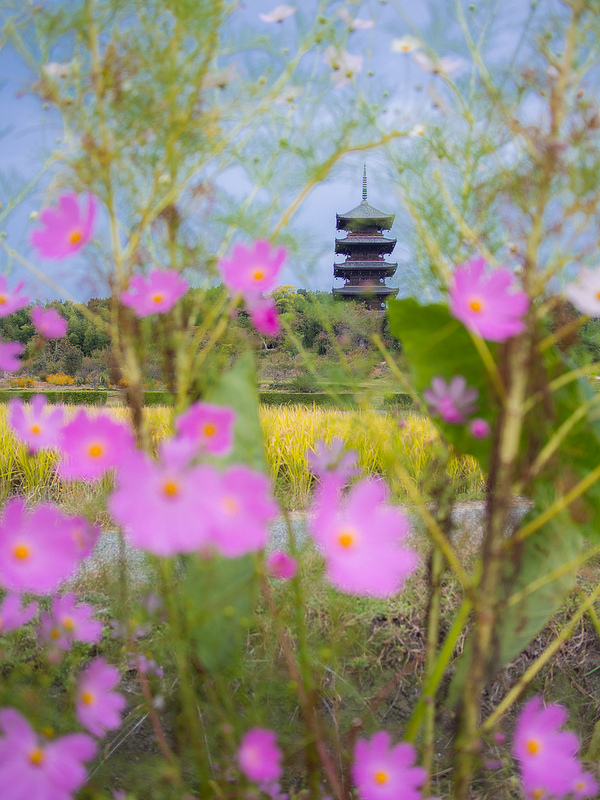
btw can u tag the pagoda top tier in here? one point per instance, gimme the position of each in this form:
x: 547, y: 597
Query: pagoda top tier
x: 364, y: 215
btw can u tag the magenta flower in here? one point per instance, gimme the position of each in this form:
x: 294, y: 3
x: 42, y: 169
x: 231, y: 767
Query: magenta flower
x: 383, y: 772
x: 361, y: 539
x: 13, y: 613
x: 252, y: 271
x: 68, y: 622
x: 67, y: 228
x: 33, y: 767
x: 98, y: 708
x: 548, y: 756
x: 209, y: 427
x: 259, y: 756
x: 263, y: 313
x: 92, y: 445
x: 37, y: 551
x: 453, y: 401
x: 156, y: 293
x: 11, y: 301
x: 48, y: 322
x: 164, y: 506
x: 479, y: 428
x: 36, y: 423
x: 333, y: 458
x: 241, y: 507
x: 83, y: 535
x: 9, y: 352
x: 487, y: 304
x: 281, y: 566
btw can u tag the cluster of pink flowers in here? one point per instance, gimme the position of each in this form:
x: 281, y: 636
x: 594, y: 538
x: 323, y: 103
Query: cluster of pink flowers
x: 250, y: 272
x: 68, y: 622
x: 455, y: 402
x: 156, y: 293
x: 487, y: 304
x: 547, y: 755
x: 35, y: 423
x: 10, y: 301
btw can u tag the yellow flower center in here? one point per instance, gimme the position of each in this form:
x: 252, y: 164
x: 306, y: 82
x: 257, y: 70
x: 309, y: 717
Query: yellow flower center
x: 21, y: 551
x: 95, y: 450
x: 210, y: 429
x: 36, y: 757
x: 258, y: 275
x: 3, y: 299
x: 171, y: 488
x: 346, y: 537
x: 75, y: 236
x: 381, y: 777
x: 36, y: 429
x: 537, y: 794
x: 579, y: 786
x: 48, y: 732
x: 88, y: 698
x: 157, y: 298
x: 597, y: 295
x: 54, y: 633
x: 476, y: 305
x: 67, y: 624
x: 532, y: 746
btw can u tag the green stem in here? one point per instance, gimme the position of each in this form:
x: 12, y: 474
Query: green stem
x: 433, y: 632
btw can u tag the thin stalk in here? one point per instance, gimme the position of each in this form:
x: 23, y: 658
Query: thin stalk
x: 433, y: 632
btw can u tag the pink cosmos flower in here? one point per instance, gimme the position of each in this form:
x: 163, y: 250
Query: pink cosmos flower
x: 281, y: 566
x: 252, y: 270
x: 9, y: 352
x: 548, y: 756
x: 48, y: 322
x: 209, y: 426
x: 479, y: 428
x: 92, y: 445
x: 83, y: 535
x: 37, y: 551
x: 156, y: 293
x: 241, y: 507
x: 68, y: 622
x: 98, y: 708
x: 278, y: 14
x: 383, y: 772
x: 33, y: 767
x: 487, y: 304
x: 13, y: 613
x: 453, y: 401
x: 263, y: 313
x: 361, y: 539
x: 584, y: 292
x: 36, y: 423
x: 163, y: 506
x: 11, y: 301
x: 67, y: 228
x: 259, y: 756
x: 333, y: 458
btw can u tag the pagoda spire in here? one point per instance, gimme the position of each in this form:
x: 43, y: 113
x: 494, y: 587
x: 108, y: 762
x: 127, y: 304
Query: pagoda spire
x: 364, y: 196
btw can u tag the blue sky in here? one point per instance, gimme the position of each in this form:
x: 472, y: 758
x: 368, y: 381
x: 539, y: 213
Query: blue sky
x: 30, y: 131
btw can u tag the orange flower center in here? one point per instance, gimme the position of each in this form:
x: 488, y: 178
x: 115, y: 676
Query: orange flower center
x: 597, y: 295
x: 381, y: 777
x: 346, y: 537
x: 210, y: 429
x: 21, y: 551
x: 75, y: 236
x: 157, y: 298
x: 88, y: 698
x: 67, y: 624
x: 258, y: 275
x: 476, y: 305
x: 580, y: 786
x: 533, y: 746
x: 36, y: 757
x: 54, y: 633
x: 36, y: 429
x: 230, y: 505
x: 171, y: 488
x: 537, y: 794
x: 95, y: 450
x: 3, y: 299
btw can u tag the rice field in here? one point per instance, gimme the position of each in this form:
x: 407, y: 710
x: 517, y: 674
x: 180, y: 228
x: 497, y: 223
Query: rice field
x: 382, y: 441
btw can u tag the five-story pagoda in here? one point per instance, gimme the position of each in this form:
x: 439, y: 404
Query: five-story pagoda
x: 364, y: 271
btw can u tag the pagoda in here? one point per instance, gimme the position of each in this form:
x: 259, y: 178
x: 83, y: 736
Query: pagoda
x: 364, y: 271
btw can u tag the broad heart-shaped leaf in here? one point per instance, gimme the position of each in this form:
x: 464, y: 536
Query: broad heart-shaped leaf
x: 219, y: 595
x: 238, y: 390
x: 435, y: 343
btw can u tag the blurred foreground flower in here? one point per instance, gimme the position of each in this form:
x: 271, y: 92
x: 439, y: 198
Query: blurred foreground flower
x: 251, y: 271
x: 487, y: 304
x: 345, y: 66
x: 98, y: 708
x: 48, y: 322
x: 156, y: 293
x: 68, y: 622
x: 281, y: 566
x: 259, y: 756
x: 333, y: 458
x: 383, y: 772
x: 406, y: 44
x: 361, y: 539
x: 34, y: 768
x: 36, y: 423
x: 13, y: 613
x: 454, y: 401
x: 263, y: 313
x: 584, y: 292
x: 9, y: 352
x: 354, y: 23
x: 92, y: 445
x: 278, y: 14
x: 67, y: 228
x: 11, y: 301
x: 208, y: 427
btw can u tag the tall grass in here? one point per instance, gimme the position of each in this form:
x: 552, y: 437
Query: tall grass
x: 379, y: 439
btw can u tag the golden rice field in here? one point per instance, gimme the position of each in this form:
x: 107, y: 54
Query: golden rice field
x: 399, y: 452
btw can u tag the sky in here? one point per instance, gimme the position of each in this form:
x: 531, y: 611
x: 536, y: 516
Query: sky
x: 30, y: 132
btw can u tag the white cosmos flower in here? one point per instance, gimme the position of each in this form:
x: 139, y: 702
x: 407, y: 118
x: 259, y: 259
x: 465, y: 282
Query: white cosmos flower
x: 355, y: 24
x: 344, y: 65
x: 584, y: 292
x: 278, y: 14
x: 445, y: 66
x: 406, y: 44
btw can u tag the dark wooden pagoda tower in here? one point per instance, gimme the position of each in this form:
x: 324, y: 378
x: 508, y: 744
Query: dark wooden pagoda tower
x: 364, y: 271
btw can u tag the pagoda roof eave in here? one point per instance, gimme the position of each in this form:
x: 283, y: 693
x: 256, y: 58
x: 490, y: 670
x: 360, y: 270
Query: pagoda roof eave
x: 369, y: 291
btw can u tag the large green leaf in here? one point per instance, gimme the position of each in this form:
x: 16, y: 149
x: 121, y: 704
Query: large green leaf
x: 435, y: 343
